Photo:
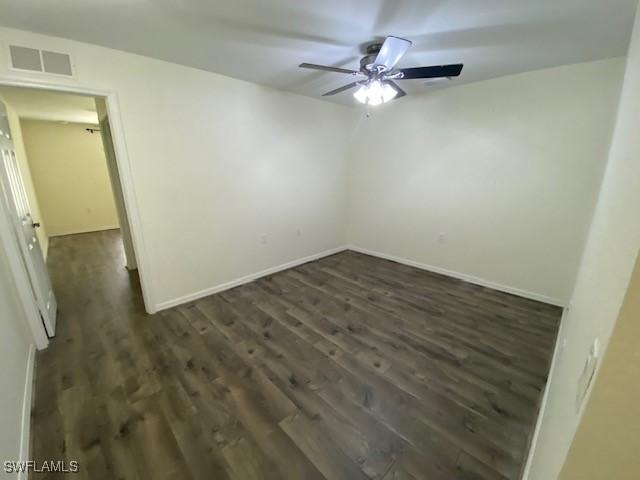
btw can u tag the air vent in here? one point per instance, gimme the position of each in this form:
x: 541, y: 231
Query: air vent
x: 43, y: 61
x: 24, y: 58
x: 58, y: 63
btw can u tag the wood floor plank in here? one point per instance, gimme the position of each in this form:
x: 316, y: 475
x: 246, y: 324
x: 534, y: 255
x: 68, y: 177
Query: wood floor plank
x: 358, y: 435
x: 349, y: 367
x: 316, y: 445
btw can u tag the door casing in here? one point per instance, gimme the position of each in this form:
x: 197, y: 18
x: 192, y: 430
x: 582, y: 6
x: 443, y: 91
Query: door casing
x: 129, y: 199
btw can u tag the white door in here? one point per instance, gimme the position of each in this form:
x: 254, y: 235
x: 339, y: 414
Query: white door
x: 15, y: 198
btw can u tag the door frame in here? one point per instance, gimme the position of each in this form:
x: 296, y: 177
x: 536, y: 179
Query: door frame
x: 123, y: 165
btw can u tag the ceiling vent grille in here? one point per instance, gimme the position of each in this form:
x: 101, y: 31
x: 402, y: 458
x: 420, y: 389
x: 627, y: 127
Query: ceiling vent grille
x: 43, y: 61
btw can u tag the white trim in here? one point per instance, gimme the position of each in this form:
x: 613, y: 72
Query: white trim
x: 18, y: 269
x: 27, y: 401
x: 247, y: 278
x: 463, y: 276
x: 130, y: 202
x: 124, y: 169
x: 545, y: 396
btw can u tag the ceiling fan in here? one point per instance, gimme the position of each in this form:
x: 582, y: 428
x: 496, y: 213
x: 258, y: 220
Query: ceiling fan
x: 379, y: 75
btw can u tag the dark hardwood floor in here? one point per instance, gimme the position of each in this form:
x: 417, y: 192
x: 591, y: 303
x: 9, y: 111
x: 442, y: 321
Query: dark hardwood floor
x: 350, y: 367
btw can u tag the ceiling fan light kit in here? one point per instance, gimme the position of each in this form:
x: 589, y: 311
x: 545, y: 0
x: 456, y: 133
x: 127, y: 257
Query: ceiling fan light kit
x: 378, y: 68
x: 375, y: 93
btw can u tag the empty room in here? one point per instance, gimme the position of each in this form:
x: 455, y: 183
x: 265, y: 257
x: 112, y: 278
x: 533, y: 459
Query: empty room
x: 338, y: 240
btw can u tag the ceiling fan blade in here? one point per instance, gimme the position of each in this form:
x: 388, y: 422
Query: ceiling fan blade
x: 392, y: 51
x: 341, y: 89
x: 313, y: 66
x: 431, y: 72
x: 401, y: 92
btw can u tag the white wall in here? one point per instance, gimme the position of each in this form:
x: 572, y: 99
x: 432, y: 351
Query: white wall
x: 69, y: 172
x: 508, y: 169
x: 15, y: 345
x: 606, y: 267
x: 216, y: 163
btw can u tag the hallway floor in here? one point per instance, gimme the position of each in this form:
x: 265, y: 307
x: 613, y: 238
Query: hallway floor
x: 349, y: 367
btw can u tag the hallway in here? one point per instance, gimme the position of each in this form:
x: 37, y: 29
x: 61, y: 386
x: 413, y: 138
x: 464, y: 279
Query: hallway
x: 349, y: 367
x: 95, y: 354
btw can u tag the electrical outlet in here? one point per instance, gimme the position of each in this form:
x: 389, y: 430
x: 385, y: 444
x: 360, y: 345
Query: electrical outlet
x: 264, y: 239
x: 298, y: 233
x: 441, y: 237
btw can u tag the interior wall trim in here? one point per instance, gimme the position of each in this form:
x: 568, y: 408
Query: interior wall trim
x: 27, y: 401
x: 463, y: 276
x: 247, y: 278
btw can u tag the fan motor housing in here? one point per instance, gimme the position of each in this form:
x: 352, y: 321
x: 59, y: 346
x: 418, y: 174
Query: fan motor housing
x: 368, y: 60
x: 373, y: 48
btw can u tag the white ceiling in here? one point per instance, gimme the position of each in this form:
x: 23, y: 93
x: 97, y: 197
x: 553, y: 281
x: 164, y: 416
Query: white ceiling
x: 38, y: 104
x: 264, y: 40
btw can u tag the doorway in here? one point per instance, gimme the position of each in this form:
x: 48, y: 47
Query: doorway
x: 60, y: 179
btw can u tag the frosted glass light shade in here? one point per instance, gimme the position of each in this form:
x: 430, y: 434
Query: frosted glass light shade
x: 375, y: 93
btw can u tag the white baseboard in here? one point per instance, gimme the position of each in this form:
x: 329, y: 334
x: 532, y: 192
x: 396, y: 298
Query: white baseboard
x: 246, y: 279
x: 25, y: 435
x: 90, y: 230
x: 462, y: 276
